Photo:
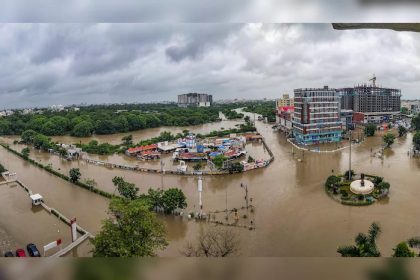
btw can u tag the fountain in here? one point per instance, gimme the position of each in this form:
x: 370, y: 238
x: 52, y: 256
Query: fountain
x: 362, y: 186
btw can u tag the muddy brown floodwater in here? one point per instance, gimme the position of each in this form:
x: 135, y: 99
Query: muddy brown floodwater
x: 294, y: 216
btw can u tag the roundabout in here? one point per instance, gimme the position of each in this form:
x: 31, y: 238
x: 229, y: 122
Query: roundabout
x: 356, y: 190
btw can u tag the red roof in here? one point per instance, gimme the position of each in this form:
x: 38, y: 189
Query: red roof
x: 142, y: 148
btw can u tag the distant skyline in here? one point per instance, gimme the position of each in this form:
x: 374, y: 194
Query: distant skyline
x: 47, y: 64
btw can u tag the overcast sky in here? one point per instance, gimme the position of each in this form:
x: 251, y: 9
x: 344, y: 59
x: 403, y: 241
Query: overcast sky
x: 45, y: 64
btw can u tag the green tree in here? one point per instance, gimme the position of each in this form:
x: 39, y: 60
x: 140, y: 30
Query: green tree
x: 332, y: 181
x: 416, y: 140
x: 2, y: 168
x: 370, y: 130
x: 42, y: 142
x: 197, y: 166
x: 25, y: 152
x: 219, y: 160
x: 402, y: 250
x: 127, y: 140
x: 126, y: 189
x: 388, y: 139
x: 415, y: 122
x: 28, y: 136
x: 365, y: 244
x: 74, y: 174
x: 154, y: 198
x: 402, y: 131
x: 83, y: 129
x: 173, y: 199
x: 404, y: 110
x: 131, y: 231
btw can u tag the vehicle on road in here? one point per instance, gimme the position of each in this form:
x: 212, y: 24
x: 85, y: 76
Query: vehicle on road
x: 33, y: 250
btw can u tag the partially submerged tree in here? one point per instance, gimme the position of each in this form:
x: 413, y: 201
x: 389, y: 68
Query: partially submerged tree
x: 74, y: 174
x: 402, y: 131
x: 370, y: 130
x: 173, y: 199
x: 127, y: 140
x: 388, y: 139
x: 216, y: 242
x: 126, y: 189
x: 403, y: 251
x: 25, y: 152
x: 416, y: 140
x: 365, y: 244
x: 131, y: 231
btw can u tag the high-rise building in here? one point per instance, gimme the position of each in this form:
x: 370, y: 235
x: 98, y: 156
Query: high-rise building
x: 374, y: 104
x: 285, y: 101
x: 195, y: 100
x: 316, y: 116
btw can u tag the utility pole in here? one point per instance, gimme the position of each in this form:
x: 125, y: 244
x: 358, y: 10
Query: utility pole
x: 350, y: 158
x: 200, y: 189
x: 226, y: 210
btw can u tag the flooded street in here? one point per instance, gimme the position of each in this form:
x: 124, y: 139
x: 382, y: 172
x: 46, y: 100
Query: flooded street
x: 294, y: 217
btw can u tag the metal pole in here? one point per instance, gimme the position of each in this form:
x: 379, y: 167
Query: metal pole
x: 350, y: 158
x: 226, y: 207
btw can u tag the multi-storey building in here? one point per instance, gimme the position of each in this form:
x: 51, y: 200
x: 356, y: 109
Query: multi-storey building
x: 374, y: 104
x: 285, y: 101
x: 195, y: 100
x: 316, y: 116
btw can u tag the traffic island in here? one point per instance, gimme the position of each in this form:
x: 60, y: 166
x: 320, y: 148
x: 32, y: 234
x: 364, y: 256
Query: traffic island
x: 358, y: 190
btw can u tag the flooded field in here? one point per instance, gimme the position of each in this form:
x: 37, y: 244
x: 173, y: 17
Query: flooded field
x: 293, y: 217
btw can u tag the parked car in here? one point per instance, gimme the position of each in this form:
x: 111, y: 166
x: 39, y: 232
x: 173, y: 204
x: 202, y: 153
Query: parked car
x: 33, y: 250
x: 9, y: 254
x: 20, y: 253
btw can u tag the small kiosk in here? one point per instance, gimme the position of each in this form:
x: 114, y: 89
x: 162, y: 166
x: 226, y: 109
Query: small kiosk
x: 36, y: 199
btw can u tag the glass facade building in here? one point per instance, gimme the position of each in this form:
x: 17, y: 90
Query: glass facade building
x: 316, y: 117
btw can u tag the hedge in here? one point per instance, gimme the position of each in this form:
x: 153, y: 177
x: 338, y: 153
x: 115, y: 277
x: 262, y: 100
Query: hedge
x: 58, y: 174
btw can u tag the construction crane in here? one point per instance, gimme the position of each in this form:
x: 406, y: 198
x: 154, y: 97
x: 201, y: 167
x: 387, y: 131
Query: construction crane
x: 373, y: 80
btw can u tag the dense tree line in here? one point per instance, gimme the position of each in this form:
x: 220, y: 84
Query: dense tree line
x: 265, y: 108
x: 106, y: 119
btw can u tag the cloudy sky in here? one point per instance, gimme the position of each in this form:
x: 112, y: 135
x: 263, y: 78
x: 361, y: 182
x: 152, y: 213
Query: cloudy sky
x: 45, y: 64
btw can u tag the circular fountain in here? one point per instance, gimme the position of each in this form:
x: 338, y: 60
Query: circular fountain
x: 362, y: 186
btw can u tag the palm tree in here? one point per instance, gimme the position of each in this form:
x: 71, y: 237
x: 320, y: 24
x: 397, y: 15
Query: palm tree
x: 365, y: 244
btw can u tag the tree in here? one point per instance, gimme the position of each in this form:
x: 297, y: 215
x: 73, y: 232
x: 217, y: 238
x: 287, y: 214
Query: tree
x: 197, y: 166
x: 388, y: 139
x: 250, y: 159
x: 415, y: 122
x: 173, y: 199
x: 370, y: 130
x: 349, y: 174
x: 126, y: 189
x: 91, y: 183
x: 247, y: 119
x: 402, y: 131
x: 236, y: 167
x: 365, y: 244
x: 25, y: 152
x: 2, y: 168
x: 83, y: 129
x: 127, y: 140
x: 131, y: 231
x: 402, y: 250
x: 219, y: 160
x: 216, y: 242
x: 332, y: 181
x: 416, y: 140
x: 28, y: 136
x: 154, y: 199
x: 74, y: 174
x: 404, y: 110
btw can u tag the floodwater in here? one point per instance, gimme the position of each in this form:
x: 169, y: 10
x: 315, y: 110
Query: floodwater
x: 293, y: 217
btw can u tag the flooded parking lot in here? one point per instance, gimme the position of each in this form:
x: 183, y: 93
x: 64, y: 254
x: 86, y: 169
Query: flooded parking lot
x: 294, y: 216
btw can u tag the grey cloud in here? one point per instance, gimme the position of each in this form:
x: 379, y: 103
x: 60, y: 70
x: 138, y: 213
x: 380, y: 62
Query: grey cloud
x: 44, y: 64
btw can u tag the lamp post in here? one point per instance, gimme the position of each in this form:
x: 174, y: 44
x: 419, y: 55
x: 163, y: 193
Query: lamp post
x: 350, y: 157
